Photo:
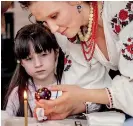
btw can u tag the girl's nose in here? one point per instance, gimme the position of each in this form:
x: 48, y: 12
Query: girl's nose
x: 37, y: 61
x: 53, y: 26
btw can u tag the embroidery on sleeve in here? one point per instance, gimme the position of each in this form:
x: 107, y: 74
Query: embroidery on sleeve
x: 123, y: 18
x: 67, y: 63
x: 127, y: 50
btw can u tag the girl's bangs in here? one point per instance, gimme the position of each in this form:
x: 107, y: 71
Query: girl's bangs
x: 40, y: 42
x: 22, y: 49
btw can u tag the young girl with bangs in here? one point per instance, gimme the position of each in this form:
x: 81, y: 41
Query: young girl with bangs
x: 37, y: 53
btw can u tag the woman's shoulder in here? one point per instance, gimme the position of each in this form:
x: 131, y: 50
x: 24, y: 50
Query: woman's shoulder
x: 114, y: 10
x: 117, y: 15
x: 113, y: 7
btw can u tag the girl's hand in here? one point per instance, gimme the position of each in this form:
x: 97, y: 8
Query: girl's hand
x: 71, y: 102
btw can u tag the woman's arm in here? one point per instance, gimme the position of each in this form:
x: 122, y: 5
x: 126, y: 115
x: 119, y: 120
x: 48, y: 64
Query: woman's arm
x: 72, y: 101
x: 122, y: 86
x: 96, y: 96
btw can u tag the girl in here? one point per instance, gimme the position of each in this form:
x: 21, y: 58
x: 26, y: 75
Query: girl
x: 105, y: 32
x: 37, y: 53
x: 36, y: 49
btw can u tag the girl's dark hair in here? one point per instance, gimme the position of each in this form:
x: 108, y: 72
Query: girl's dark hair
x: 42, y: 40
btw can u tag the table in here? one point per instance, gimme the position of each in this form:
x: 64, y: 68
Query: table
x: 19, y: 121
x: 94, y: 119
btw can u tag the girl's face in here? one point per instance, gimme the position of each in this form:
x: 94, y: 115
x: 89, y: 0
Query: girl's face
x: 61, y: 17
x: 39, y: 66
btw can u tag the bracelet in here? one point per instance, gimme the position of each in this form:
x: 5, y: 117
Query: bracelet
x: 110, y: 98
x: 91, y: 107
x: 86, y: 108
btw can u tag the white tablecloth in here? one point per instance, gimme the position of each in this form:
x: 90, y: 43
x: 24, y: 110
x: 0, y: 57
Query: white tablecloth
x: 93, y: 119
x: 19, y: 121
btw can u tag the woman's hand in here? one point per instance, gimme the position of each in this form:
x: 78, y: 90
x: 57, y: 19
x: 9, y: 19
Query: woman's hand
x: 71, y: 102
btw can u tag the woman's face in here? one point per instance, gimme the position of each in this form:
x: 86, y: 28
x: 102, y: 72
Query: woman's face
x: 61, y: 17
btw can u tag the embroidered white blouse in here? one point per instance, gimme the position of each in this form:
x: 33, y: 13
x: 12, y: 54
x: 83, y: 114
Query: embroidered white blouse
x: 118, y: 28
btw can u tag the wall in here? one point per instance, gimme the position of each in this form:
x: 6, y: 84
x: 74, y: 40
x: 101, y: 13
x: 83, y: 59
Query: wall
x: 20, y: 17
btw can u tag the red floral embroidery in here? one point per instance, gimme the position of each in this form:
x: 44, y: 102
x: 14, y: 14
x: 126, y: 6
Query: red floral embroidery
x: 123, y: 18
x: 127, y: 50
x: 67, y: 63
x: 130, y: 6
x: 130, y: 48
x: 123, y: 51
x: 65, y: 60
x: 117, y: 28
x: 129, y: 39
x: 123, y: 15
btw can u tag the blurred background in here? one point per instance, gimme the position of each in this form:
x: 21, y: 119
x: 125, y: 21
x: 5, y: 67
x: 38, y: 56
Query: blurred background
x: 13, y: 17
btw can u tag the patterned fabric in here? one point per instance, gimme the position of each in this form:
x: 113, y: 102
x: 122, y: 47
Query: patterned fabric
x: 123, y: 18
x: 67, y: 63
x: 120, y: 45
x: 127, y: 50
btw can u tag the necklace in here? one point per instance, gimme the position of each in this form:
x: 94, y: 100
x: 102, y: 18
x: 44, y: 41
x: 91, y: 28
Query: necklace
x: 87, y: 35
x: 88, y: 40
